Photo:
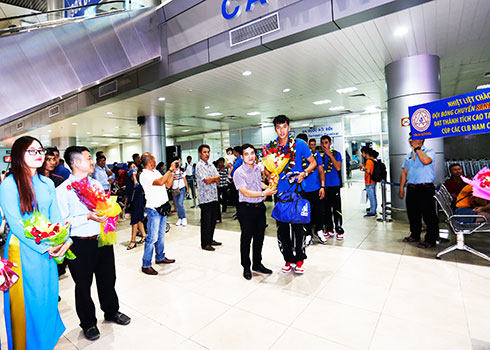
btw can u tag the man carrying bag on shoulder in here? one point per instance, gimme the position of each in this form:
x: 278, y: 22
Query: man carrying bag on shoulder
x: 291, y: 236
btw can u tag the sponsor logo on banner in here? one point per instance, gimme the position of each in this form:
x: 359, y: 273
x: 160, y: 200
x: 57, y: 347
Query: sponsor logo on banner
x: 405, y: 121
x: 421, y: 119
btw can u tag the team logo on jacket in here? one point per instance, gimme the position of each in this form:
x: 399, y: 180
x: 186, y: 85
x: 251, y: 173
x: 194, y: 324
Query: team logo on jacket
x: 421, y: 119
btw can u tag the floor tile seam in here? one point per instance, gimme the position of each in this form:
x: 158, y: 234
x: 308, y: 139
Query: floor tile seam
x: 167, y: 327
x: 385, y: 300
x: 208, y: 323
x: 322, y: 336
x: 464, y: 303
x: 69, y: 341
x: 346, y: 304
x: 267, y: 318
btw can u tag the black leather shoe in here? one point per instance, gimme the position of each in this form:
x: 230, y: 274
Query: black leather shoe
x: 119, y: 318
x: 91, y: 333
x: 261, y: 268
x: 216, y: 243
x: 209, y: 248
x: 247, y: 274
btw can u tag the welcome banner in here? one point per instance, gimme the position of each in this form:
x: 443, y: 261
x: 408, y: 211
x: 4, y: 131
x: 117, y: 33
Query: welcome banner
x: 465, y: 114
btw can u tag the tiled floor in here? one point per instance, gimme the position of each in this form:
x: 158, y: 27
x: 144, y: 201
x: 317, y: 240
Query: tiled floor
x: 369, y: 292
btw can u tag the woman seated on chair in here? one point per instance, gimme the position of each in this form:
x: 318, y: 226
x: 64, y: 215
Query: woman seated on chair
x: 467, y: 204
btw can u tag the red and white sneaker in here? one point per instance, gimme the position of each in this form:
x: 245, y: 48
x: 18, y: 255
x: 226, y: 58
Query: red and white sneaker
x: 299, y: 267
x: 287, y: 267
x: 340, y: 236
x: 329, y: 234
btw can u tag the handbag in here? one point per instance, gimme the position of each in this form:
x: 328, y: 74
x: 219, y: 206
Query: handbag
x: 164, y: 209
x: 292, y: 208
x: 176, y: 192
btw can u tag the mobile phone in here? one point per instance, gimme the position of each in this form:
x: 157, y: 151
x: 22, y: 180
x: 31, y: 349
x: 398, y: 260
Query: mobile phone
x: 177, y: 165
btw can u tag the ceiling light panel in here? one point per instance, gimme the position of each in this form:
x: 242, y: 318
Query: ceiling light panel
x: 321, y: 102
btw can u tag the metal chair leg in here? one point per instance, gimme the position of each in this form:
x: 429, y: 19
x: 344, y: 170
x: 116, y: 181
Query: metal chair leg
x: 476, y: 252
x: 447, y: 250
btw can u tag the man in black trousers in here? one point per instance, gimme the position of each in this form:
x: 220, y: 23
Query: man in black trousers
x: 251, y: 210
x: 90, y: 259
x: 207, y: 179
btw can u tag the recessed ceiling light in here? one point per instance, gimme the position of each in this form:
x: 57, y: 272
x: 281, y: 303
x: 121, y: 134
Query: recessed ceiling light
x: 215, y: 114
x: 400, y: 31
x: 247, y: 73
x: 49, y: 130
x: 116, y: 126
x: 207, y: 107
x: 307, y: 124
x: 107, y: 135
x: 338, y: 108
x: 108, y: 113
x: 486, y: 86
x: 94, y: 143
x: 88, y: 132
x: 74, y: 123
x: 286, y: 90
x: 347, y: 90
x: 186, y: 130
x: 161, y: 99
x: 322, y: 102
x: 134, y: 134
x: 253, y: 113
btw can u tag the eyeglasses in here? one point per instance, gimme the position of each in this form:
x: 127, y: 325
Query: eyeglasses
x: 33, y: 152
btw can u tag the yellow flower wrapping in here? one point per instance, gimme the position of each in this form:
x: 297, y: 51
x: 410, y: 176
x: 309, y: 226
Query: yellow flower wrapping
x: 275, y: 166
x: 108, y: 228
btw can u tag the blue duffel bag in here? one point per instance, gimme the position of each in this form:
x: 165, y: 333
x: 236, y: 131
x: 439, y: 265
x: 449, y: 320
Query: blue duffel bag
x: 292, y: 208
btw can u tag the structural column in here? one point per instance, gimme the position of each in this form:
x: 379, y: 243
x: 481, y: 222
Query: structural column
x: 153, y: 137
x: 410, y: 81
x: 63, y: 143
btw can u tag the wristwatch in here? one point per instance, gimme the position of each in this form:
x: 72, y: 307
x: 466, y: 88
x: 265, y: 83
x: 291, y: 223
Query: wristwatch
x: 306, y: 174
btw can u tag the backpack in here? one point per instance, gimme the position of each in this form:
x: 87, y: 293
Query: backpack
x: 379, y: 171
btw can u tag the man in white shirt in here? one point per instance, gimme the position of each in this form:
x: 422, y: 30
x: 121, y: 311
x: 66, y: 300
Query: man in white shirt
x: 91, y: 260
x: 155, y: 186
x: 189, y: 177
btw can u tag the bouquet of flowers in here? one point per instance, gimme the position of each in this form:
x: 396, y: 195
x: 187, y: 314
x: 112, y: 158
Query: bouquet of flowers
x: 480, y: 183
x: 103, y: 204
x: 7, y: 276
x: 276, y: 158
x: 40, y: 230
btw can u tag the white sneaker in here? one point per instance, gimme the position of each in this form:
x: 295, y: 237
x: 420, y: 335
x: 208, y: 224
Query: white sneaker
x: 184, y: 222
x: 287, y: 267
x: 179, y: 222
x: 321, y: 236
x: 299, y: 267
x: 308, y: 240
x: 329, y: 234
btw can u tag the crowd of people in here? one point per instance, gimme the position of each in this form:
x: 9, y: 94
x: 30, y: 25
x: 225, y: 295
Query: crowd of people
x: 38, y: 181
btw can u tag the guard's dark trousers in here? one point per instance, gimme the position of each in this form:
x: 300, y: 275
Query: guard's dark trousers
x: 421, y: 204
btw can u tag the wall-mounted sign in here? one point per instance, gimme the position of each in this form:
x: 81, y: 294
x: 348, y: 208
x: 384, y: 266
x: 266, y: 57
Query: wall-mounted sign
x: 231, y: 8
x: 465, y: 114
x: 405, y: 121
x: 7, y: 159
x: 334, y: 129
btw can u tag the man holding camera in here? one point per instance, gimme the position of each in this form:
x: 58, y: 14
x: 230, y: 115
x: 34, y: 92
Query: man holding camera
x: 155, y: 186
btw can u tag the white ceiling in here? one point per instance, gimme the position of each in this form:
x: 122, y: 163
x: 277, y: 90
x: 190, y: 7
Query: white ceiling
x: 458, y: 31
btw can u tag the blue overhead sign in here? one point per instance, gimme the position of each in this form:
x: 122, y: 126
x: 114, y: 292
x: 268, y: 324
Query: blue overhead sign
x: 231, y: 9
x: 80, y: 11
x: 465, y: 114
